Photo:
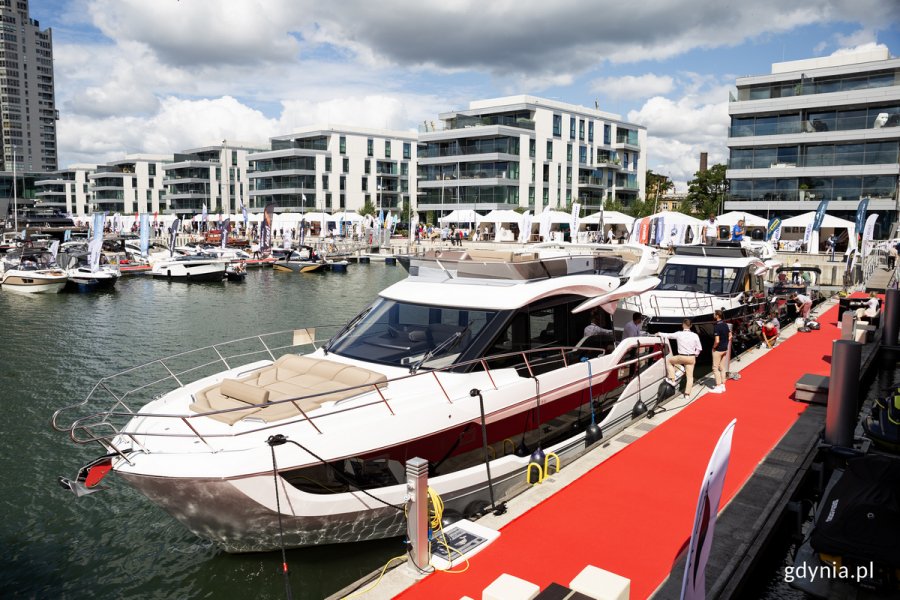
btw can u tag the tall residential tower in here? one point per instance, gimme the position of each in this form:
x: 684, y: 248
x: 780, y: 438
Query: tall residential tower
x: 27, y: 104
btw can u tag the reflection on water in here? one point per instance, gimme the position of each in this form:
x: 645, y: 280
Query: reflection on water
x: 115, y: 544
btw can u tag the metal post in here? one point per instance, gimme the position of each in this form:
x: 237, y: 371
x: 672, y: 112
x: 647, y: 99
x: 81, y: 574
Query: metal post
x: 891, y: 315
x: 848, y: 322
x: 417, y: 518
x: 15, y: 196
x: 843, y: 393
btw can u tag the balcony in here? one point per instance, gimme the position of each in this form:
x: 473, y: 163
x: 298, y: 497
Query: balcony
x: 467, y: 122
x: 594, y: 182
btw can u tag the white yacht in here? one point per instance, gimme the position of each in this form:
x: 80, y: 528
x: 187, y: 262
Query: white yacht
x: 698, y: 280
x: 31, y: 271
x: 481, y: 371
x: 190, y: 268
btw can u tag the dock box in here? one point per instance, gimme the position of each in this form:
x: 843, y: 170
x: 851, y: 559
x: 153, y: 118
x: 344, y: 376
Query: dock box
x: 812, y: 388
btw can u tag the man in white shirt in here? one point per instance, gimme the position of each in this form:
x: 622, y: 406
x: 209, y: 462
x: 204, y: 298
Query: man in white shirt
x: 633, y: 327
x: 709, y: 231
x: 610, y: 236
x: 803, y: 302
x: 689, y: 349
x: 595, y: 327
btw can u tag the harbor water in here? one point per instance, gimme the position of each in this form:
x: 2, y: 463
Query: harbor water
x: 115, y: 543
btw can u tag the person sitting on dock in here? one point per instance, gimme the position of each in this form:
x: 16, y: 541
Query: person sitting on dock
x: 689, y: 349
x: 803, y: 302
x: 871, y: 309
x: 633, y: 327
x: 769, y: 330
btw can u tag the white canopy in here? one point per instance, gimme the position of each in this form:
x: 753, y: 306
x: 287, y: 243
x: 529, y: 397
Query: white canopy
x: 750, y: 220
x: 502, y: 216
x: 829, y: 222
x: 351, y: 217
x: 610, y: 217
x: 461, y: 216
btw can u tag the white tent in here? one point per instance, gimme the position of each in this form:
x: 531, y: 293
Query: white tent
x: 618, y: 222
x: 546, y: 221
x: 461, y: 216
x: 795, y: 228
x: 666, y: 229
x: 499, y: 218
x: 351, y: 217
x: 750, y: 220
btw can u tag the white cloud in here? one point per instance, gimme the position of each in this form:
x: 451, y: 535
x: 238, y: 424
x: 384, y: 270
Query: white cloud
x: 631, y: 87
x: 859, y: 40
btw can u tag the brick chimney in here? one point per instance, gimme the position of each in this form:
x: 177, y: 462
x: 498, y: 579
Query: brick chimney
x: 703, y: 161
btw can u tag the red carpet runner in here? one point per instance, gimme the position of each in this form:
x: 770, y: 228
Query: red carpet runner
x: 633, y: 513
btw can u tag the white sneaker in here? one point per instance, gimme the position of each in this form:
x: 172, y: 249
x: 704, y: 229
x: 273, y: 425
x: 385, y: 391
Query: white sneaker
x: 717, y: 390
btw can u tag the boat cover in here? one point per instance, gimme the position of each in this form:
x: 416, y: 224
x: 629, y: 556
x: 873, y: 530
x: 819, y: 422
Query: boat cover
x: 860, y: 517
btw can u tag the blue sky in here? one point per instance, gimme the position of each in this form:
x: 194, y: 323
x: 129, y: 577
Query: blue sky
x: 168, y: 75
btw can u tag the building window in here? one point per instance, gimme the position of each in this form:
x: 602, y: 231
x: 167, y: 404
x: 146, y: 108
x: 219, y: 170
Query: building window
x: 557, y: 125
x: 404, y: 169
x: 549, y: 149
x: 531, y: 148
x: 407, y: 149
x: 569, y: 175
x: 370, y: 147
x: 635, y: 162
x: 328, y: 164
x: 387, y: 148
x: 572, y: 127
x: 343, y: 183
x: 325, y: 182
x: 346, y: 168
x: 343, y: 145
x: 591, y: 132
x: 365, y: 184
x: 546, y: 173
x: 607, y: 134
x: 625, y: 159
x: 582, y: 155
x: 581, y: 129
x: 152, y: 169
x: 546, y: 197
x: 368, y: 166
x: 558, y: 175
x: 569, y: 152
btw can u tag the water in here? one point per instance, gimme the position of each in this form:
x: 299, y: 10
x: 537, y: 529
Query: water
x: 115, y: 543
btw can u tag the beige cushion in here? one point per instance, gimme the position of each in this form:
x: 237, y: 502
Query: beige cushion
x: 250, y: 394
x: 267, y: 376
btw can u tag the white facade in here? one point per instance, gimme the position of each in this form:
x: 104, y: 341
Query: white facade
x: 529, y: 152
x: 196, y: 177
x: 131, y: 185
x: 331, y: 169
x: 67, y: 190
x: 825, y: 128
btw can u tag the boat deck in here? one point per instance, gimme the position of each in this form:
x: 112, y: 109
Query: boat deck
x: 632, y: 513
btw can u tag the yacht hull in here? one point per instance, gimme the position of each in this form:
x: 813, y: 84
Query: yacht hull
x: 185, y: 271
x: 31, y: 283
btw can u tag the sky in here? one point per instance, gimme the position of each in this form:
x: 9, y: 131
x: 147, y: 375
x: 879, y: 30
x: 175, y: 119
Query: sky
x: 163, y: 76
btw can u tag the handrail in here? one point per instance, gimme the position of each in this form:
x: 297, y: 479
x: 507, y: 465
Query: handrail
x: 84, y: 430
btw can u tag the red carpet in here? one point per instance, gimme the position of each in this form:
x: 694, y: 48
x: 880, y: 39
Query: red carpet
x: 632, y: 514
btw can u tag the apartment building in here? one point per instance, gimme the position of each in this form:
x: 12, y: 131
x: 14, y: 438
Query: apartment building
x: 28, y: 112
x: 66, y: 191
x: 133, y: 184
x: 214, y: 176
x: 332, y: 169
x: 822, y: 128
x: 523, y: 151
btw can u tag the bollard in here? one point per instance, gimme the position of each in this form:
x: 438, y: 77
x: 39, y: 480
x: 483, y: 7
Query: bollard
x: 417, y: 516
x: 891, y: 318
x: 848, y: 324
x: 843, y: 393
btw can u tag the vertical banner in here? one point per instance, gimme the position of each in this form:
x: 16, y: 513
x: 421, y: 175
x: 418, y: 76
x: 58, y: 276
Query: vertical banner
x: 99, y: 222
x: 861, y: 209
x: 244, y: 214
x: 574, y: 221
x: 525, y: 228
x: 644, y: 232
x: 226, y: 229
x: 265, y: 230
x: 869, y: 234
x: 173, y: 233
x: 773, y: 230
x: 204, y: 216
x: 145, y: 233
x: 820, y: 215
x: 693, y: 586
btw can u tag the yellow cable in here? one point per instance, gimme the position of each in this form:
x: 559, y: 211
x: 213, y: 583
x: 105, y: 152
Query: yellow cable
x: 437, y: 528
x: 377, y: 581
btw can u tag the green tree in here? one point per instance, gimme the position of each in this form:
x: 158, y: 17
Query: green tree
x: 657, y: 187
x: 367, y: 209
x: 707, y: 191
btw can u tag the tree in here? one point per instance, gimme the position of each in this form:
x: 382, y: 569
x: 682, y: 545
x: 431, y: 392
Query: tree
x: 367, y: 209
x: 707, y: 191
x: 657, y: 187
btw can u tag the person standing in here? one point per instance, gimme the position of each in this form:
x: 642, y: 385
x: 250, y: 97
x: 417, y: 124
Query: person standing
x: 611, y: 236
x: 633, y: 327
x: 737, y: 232
x: 709, y: 231
x: 830, y: 244
x: 721, y: 343
x: 689, y: 349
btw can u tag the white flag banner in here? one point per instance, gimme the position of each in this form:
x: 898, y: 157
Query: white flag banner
x: 574, y: 221
x: 693, y: 586
x: 869, y: 234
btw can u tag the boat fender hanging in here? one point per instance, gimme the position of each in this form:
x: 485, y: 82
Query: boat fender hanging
x: 537, y: 458
x: 592, y: 434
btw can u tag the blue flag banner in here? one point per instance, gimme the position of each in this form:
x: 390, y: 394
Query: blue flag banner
x: 99, y: 221
x: 145, y: 233
x: 861, y: 209
x: 773, y: 226
x: 820, y: 215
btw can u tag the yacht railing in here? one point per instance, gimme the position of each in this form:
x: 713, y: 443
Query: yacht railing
x: 104, y: 426
x: 696, y: 304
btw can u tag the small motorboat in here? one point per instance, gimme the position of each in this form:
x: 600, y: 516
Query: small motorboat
x: 190, y: 268
x: 83, y: 278
x: 303, y: 260
x: 236, y: 272
x: 32, y: 271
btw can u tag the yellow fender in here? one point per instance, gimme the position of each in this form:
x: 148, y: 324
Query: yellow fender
x: 547, y: 463
x: 512, y: 445
x: 540, y: 473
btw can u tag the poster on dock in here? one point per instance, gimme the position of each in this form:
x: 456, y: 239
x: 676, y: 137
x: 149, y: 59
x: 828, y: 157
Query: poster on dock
x: 265, y: 230
x: 693, y: 586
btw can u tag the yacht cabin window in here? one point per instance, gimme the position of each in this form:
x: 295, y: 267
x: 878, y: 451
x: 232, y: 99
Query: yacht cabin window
x: 698, y: 278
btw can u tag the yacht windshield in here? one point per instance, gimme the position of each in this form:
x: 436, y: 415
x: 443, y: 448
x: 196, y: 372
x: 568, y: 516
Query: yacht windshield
x: 402, y: 334
x: 698, y: 278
